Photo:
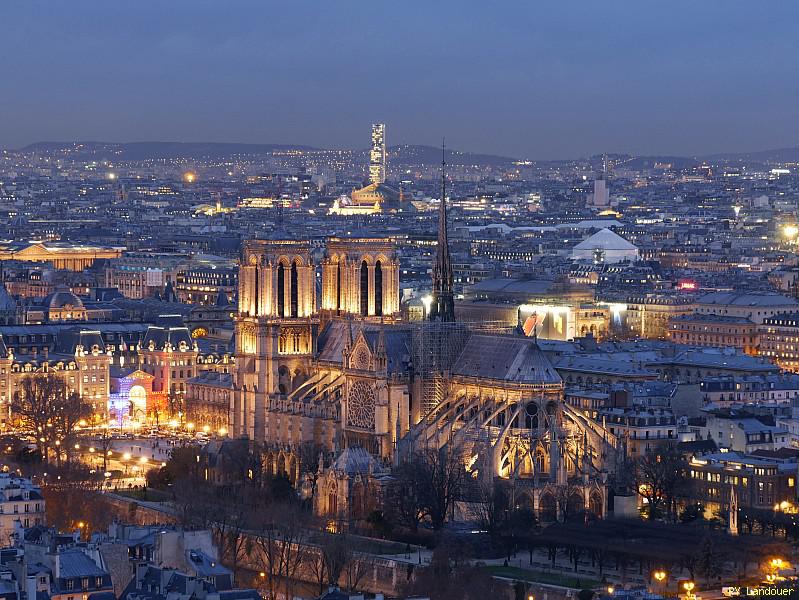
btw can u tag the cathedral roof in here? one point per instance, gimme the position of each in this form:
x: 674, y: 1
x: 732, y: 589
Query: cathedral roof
x: 397, y: 344
x: 355, y: 460
x: 505, y: 358
x: 333, y: 338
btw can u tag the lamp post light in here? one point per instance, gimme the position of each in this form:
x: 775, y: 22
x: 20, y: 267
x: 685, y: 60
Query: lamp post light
x: 775, y: 565
x: 689, y: 586
x: 660, y: 577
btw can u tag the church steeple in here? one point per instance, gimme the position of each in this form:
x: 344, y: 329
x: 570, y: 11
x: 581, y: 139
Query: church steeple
x: 443, y: 305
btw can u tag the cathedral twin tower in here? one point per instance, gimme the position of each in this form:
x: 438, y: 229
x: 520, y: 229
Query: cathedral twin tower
x: 279, y: 318
x: 360, y: 277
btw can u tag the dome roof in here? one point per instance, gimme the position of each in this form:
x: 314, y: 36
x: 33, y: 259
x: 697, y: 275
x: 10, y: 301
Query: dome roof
x: 375, y: 192
x: 63, y: 299
x: 605, y: 239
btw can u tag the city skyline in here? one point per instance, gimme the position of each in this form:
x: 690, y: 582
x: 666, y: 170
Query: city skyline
x: 530, y: 82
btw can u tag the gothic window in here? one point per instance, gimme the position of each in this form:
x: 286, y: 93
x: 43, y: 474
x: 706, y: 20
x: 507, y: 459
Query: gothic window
x: 364, y: 289
x: 281, y: 343
x: 361, y: 358
x: 361, y: 406
x: 332, y: 503
x: 296, y: 341
x: 378, y: 289
x: 294, y: 297
x: 338, y: 287
x: 281, y: 288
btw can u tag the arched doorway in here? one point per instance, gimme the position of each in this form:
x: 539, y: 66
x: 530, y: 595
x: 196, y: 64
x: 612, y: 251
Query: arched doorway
x: 138, y: 403
x: 595, y: 504
x: 547, y: 509
x: 575, y: 505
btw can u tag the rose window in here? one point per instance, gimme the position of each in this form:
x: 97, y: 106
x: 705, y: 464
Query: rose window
x: 361, y: 406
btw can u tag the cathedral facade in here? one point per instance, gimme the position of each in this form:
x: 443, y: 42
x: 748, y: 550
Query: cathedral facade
x: 340, y: 373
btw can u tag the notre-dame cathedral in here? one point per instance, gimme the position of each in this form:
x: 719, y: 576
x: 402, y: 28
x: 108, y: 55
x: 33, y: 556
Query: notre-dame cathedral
x: 344, y: 374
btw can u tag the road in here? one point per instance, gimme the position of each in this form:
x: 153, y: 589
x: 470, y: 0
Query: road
x: 130, y: 457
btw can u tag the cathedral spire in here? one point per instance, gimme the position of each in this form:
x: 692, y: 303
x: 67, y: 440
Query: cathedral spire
x: 443, y: 305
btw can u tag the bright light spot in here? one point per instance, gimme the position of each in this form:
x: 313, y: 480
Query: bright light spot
x: 427, y: 301
x: 790, y: 231
x: 112, y: 176
x: 126, y: 456
x: 189, y: 177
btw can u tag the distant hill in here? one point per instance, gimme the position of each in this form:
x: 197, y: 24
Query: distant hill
x: 430, y: 155
x: 649, y: 162
x: 158, y: 150
x: 402, y: 154
x: 780, y: 155
x: 135, y: 151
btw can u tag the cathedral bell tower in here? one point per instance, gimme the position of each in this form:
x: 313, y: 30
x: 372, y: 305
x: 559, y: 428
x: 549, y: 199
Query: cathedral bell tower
x: 275, y: 329
x: 360, y: 279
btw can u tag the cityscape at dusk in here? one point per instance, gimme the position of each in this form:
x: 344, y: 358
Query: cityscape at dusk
x: 399, y: 301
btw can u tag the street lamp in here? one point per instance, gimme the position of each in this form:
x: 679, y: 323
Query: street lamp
x: 660, y: 577
x: 689, y: 588
x: 611, y: 589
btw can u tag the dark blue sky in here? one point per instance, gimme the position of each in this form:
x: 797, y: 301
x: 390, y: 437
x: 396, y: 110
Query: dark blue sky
x: 525, y: 78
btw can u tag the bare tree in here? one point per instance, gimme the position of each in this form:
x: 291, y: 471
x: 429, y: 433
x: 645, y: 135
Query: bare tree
x: 452, y: 576
x: 659, y: 476
x: 336, y: 553
x: 281, y: 542
x: 48, y: 411
x: 492, y: 506
x: 427, y: 485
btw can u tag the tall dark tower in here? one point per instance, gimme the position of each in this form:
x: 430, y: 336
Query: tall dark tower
x: 443, y: 305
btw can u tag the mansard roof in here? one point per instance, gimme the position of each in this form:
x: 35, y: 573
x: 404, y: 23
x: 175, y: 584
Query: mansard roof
x: 69, y: 339
x: 169, y: 329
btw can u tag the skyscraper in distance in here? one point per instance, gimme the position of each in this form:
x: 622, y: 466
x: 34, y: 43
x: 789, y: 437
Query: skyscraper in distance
x: 601, y: 196
x: 377, y: 155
